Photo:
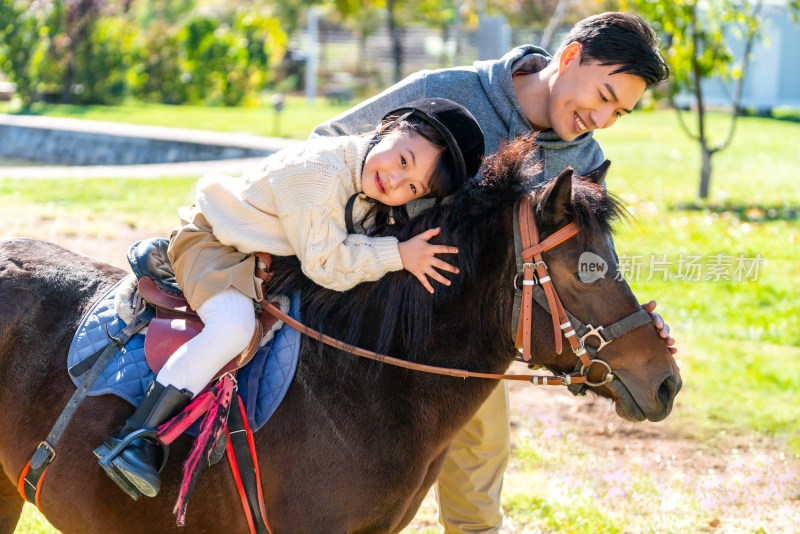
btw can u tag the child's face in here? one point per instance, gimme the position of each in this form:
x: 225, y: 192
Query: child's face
x: 398, y: 168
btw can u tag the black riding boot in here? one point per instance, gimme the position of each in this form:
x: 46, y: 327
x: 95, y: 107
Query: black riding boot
x: 137, y: 461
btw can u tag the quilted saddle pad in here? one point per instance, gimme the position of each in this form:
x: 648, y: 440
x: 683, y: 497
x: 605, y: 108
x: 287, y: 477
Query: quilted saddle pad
x: 263, y: 382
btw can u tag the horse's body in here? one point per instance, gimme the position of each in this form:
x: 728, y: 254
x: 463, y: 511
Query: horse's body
x: 355, y: 445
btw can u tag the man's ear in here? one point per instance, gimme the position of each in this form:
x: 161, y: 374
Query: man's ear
x: 571, y: 52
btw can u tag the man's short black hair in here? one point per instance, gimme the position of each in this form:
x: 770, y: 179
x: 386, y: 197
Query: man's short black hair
x: 622, y: 39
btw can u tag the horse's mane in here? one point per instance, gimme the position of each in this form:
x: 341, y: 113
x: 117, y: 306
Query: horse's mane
x: 469, y: 221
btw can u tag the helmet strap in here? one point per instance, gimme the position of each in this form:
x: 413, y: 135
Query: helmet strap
x: 348, y: 210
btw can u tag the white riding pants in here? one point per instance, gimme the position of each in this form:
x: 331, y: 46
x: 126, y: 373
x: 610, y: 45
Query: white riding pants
x: 229, y: 322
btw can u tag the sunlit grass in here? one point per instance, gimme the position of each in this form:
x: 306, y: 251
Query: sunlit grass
x: 559, y: 484
x: 150, y: 202
x: 32, y: 522
x: 740, y: 386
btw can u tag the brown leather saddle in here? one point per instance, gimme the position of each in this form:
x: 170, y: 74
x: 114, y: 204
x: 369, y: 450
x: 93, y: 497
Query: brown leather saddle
x: 176, y: 322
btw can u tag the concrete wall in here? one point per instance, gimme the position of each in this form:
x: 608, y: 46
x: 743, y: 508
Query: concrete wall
x: 81, y: 142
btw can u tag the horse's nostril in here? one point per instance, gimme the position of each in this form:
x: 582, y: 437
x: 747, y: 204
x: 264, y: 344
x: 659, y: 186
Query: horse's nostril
x: 667, y: 390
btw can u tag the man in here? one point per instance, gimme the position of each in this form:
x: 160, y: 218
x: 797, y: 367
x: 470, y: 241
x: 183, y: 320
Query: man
x: 597, y: 75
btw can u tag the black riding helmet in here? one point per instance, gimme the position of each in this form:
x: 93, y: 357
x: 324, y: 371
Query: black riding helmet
x: 459, y: 128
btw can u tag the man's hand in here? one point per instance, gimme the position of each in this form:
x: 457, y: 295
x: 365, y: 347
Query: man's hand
x: 418, y: 258
x: 663, y: 328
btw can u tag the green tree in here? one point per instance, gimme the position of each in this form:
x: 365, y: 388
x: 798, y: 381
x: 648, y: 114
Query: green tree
x: 290, y: 12
x: 218, y: 58
x: 171, y: 11
x: 696, y: 35
x: 21, y: 23
x: 363, y: 17
x: 72, y: 50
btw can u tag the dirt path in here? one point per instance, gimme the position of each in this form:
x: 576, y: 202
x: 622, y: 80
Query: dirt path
x: 669, y: 482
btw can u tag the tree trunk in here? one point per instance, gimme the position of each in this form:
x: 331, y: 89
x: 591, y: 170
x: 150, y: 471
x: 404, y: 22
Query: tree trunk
x: 69, y: 74
x: 457, y: 34
x: 705, y: 172
x: 397, y: 45
x: 555, y: 22
x: 362, y: 54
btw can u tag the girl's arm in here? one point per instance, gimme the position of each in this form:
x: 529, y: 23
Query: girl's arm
x: 333, y: 258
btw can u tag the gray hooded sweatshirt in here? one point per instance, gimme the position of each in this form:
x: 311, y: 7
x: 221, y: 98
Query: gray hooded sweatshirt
x: 487, y: 91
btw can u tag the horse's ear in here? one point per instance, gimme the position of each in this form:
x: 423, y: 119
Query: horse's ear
x: 598, y: 176
x: 557, y: 201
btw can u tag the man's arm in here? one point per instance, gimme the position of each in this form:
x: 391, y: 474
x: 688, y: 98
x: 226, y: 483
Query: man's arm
x: 365, y: 116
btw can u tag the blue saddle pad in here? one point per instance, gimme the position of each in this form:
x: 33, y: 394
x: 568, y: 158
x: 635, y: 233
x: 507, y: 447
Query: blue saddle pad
x: 263, y: 382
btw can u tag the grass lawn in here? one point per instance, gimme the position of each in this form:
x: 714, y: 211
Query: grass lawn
x: 742, y: 372
x: 296, y: 120
x: 738, y: 332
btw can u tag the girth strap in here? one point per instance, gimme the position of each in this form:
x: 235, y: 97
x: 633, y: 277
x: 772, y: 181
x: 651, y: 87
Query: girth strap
x: 244, y: 465
x: 30, y: 481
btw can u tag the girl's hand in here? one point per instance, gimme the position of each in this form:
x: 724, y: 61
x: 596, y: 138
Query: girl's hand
x: 418, y: 258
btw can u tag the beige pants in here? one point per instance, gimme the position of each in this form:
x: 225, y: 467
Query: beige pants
x: 204, y: 267
x: 469, y: 486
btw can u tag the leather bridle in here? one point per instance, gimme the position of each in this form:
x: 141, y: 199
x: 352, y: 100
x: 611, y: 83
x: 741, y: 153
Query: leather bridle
x: 535, y: 277
x: 537, y: 285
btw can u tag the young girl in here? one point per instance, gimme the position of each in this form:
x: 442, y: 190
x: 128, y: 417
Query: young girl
x: 296, y: 203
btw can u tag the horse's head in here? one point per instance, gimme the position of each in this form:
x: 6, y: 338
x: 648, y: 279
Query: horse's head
x: 585, y: 276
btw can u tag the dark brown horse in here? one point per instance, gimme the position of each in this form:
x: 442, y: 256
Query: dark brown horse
x: 356, y: 444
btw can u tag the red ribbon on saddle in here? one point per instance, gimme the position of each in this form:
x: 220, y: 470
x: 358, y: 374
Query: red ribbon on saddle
x: 215, y: 404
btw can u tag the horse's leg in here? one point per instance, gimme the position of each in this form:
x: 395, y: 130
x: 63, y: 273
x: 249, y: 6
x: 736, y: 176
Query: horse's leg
x: 10, y: 505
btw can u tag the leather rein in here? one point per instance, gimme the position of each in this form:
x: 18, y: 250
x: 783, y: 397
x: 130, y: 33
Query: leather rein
x: 534, y: 273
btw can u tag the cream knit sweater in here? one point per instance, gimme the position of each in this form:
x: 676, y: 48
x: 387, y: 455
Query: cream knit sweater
x: 293, y: 203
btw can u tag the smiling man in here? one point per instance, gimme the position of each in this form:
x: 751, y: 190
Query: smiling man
x: 597, y: 75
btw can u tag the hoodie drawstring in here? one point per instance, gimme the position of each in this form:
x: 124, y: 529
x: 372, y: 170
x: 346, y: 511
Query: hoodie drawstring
x: 512, y: 124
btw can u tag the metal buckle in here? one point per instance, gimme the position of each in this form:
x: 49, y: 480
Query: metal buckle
x: 521, y: 275
x: 232, y: 376
x: 596, y: 332
x: 50, y: 449
x: 609, y: 376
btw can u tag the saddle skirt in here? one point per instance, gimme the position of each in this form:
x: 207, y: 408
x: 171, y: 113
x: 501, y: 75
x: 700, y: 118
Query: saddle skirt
x: 263, y: 381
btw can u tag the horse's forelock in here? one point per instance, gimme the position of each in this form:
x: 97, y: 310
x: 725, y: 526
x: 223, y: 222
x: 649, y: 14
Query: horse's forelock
x: 595, y: 208
x: 592, y: 206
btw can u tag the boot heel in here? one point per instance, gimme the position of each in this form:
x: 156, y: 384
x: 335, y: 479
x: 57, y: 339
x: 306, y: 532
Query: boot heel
x: 114, y: 474
x: 132, y: 454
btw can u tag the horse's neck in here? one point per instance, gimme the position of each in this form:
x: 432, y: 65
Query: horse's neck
x: 472, y: 332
